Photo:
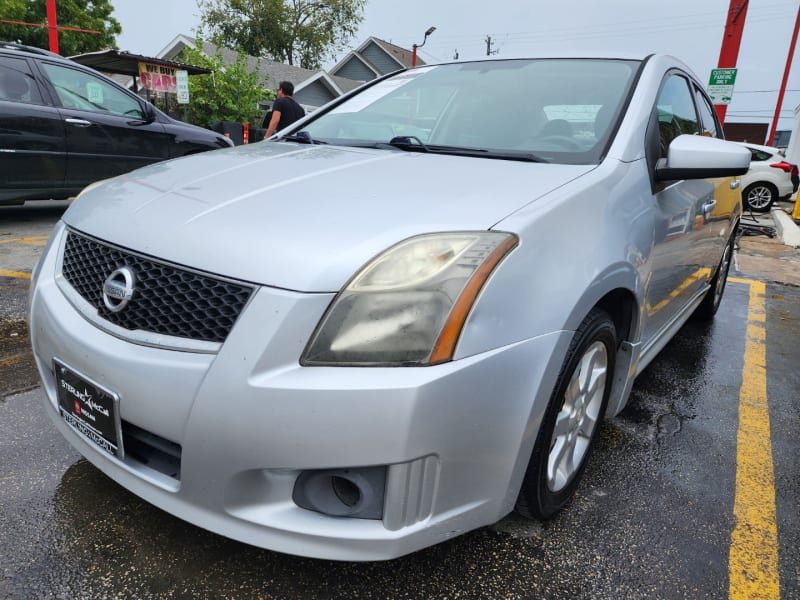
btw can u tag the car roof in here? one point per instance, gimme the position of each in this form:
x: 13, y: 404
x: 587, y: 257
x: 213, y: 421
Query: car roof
x: 16, y: 47
x: 623, y: 55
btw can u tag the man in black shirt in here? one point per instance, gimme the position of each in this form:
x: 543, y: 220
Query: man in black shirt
x: 285, y: 110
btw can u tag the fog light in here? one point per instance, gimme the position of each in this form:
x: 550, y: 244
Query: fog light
x: 355, y: 493
x: 346, y: 491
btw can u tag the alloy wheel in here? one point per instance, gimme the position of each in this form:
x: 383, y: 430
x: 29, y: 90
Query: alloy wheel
x: 578, y: 416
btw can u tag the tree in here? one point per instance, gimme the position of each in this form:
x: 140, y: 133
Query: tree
x: 231, y: 93
x: 83, y: 14
x: 297, y: 32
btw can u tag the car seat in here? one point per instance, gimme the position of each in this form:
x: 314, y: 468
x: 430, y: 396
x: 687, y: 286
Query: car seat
x: 602, y: 120
x: 558, y: 127
x: 478, y: 122
x: 13, y: 85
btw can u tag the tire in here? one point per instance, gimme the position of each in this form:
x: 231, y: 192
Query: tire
x: 571, y: 420
x: 710, y: 304
x: 760, y: 196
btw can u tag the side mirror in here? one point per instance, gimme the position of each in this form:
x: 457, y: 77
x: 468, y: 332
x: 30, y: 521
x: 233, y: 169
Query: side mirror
x: 700, y: 157
x: 149, y: 112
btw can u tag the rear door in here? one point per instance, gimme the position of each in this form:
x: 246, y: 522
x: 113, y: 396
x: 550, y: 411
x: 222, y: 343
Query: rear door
x: 32, y: 146
x: 106, y: 129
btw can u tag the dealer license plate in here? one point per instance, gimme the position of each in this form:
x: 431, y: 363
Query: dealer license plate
x: 89, y: 408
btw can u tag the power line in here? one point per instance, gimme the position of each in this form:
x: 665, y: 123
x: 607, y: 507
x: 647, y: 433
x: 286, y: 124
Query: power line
x: 762, y: 91
x: 634, y: 26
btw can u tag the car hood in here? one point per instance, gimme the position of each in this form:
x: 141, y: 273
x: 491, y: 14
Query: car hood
x: 303, y: 217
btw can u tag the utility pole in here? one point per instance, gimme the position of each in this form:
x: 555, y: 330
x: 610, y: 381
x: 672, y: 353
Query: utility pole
x: 52, y: 25
x: 489, y: 50
x: 731, y: 40
x: 785, y: 79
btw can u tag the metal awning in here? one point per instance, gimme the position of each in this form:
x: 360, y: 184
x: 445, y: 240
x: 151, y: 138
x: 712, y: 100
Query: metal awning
x: 125, y: 63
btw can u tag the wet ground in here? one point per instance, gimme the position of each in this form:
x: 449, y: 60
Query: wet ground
x: 764, y: 257
x: 23, y: 235
x: 652, y: 519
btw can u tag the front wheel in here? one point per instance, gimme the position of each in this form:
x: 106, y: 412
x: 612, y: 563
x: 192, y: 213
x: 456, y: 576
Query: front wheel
x: 571, y: 420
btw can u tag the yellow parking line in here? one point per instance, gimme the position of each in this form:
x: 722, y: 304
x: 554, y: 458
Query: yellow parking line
x: 37, y: 240
x: 753, y: 559
x: 15, y: 274
x: 14, y: 360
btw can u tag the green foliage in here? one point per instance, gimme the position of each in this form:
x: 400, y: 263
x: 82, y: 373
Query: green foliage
x: 231, y: 93
x: 83, y: 14
x: 297, y: 32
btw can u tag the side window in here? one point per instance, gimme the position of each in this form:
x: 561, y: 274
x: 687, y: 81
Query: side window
x: 707, y: 116
x: 16, y: 82
x: 676, y: 112
x: 758, y: 155
x: 83, y: 91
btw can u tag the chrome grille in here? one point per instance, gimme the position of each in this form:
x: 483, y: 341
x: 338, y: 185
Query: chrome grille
x: 167, y: 300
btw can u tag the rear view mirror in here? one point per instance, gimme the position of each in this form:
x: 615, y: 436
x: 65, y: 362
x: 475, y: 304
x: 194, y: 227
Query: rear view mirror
x: 700, y: 157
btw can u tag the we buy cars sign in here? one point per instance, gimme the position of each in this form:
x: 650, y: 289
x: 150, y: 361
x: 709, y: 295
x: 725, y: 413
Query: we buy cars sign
x: 157, y: 78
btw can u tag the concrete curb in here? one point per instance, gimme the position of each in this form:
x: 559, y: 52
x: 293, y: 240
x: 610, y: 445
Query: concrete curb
x: 786, y: 228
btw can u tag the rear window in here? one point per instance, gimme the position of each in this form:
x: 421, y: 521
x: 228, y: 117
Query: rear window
x: 16, y: 81
x: 759, y: 155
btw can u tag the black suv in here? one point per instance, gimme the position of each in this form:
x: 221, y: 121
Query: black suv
x: 64, y: 125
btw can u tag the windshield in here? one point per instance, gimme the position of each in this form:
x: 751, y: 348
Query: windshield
x: 559, y: 110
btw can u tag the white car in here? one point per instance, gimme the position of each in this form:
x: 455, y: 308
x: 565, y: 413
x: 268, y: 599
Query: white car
x: 403, y: 317
x: 769, y: 177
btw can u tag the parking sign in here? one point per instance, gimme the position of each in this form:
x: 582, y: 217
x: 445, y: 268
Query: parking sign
x: 720, y: 85
x: 182, y: 86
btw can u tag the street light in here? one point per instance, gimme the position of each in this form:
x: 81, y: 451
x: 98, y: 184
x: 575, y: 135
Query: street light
x: 415, y: 46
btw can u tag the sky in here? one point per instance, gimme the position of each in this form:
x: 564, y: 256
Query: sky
x: 691, y: 30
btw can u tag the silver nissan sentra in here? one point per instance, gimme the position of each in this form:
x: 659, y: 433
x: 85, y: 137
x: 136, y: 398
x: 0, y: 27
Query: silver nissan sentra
x: 399, y: 319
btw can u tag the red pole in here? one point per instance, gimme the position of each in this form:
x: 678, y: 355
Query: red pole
x: 785, y: 79
x: 414, y: 56
x: 731, y: 40
x: 52, y: 25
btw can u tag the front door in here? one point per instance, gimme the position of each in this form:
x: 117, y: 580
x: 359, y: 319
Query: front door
x: 686, y: 246
x: 106, y: 130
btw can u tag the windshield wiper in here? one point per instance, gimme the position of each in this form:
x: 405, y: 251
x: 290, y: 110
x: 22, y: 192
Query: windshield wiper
x: 409, y: 142
x: 302, y: 137
x: 520, y: 155
x: 412, y: 143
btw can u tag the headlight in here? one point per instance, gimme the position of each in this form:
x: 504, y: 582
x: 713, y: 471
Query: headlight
x: 409, y: 304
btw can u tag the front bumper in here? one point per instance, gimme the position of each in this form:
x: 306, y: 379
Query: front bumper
x: 454, y: 438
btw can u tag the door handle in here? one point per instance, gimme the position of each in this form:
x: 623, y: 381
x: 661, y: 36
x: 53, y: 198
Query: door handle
x: 735, y: 184
x: 709, y: 206
x: 78, y: 122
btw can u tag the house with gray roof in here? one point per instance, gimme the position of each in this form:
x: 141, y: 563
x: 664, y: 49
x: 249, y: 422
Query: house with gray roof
x: 372, y: 59
x: 312, y: 88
